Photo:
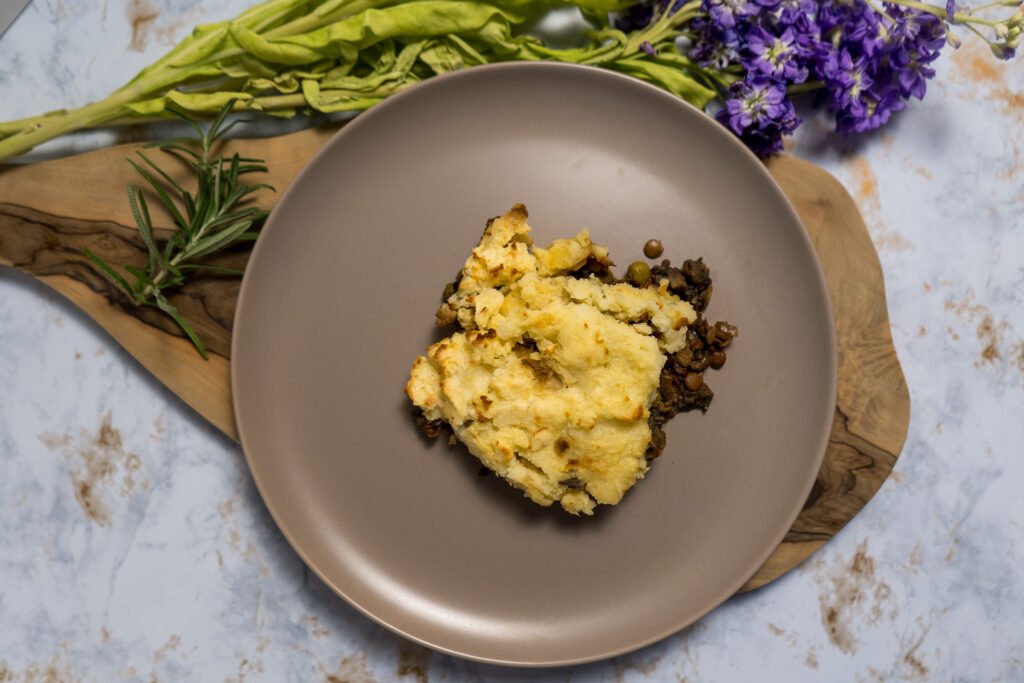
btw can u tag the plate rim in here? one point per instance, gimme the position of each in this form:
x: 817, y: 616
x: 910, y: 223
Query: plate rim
x: 571, y: 70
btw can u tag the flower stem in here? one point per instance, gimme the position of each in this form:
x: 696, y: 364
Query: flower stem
x: 809, y: 86
x: 966, y: 18
x: 981, y: 35
x: 988, y: 5
x: 880, y: 11
x: 939, y: 12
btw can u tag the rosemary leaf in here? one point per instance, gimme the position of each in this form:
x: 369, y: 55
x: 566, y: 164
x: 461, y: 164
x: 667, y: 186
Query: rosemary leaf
x: 217, y: 214
x: 111, y: 274
x: 161, y: 193
x: 213, y: 269
x: 163, y: 174
x: 217, y: 240
x: 165, y: 306
x: 140, y: 212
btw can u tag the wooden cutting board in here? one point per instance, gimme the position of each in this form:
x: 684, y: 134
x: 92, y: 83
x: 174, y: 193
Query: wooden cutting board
x: 51, y: 211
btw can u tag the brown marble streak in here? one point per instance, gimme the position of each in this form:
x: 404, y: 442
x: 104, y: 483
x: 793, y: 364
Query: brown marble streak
x: 50, y: 211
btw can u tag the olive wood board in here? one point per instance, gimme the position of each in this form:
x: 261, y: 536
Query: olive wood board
x: 50, y: 211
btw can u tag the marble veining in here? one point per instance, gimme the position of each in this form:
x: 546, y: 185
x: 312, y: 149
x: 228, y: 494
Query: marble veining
x: 133, y: 545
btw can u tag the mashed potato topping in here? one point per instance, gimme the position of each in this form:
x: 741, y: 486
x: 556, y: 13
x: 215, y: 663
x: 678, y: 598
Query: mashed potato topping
x: 551, y: 380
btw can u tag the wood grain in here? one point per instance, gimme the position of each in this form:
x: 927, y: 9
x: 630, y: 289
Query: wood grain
x: 872, y: 404
x: 51, y: 211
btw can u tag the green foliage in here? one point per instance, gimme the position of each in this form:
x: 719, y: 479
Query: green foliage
x: 288, y: 57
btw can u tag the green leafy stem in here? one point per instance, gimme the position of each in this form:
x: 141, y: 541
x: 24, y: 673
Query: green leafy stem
x: 285, y: 57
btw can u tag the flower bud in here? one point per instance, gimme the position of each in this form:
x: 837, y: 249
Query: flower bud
x: 953, y: 41
x: 1001, y: 30
x: 1001, y: 51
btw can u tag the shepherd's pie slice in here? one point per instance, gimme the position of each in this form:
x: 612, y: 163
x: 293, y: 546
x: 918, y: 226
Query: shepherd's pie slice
x: 551, y: 379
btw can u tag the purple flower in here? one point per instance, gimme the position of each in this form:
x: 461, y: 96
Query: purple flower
x: 788, y: 12
x: 871, y: 35
x: 775, y: 56
x: 808, y: 32
x: 850, y: 84
x: 725, y: 13
x: 716, y: 50
x: 913, y: 81
x: 759, y: 112
x: 876, y: 111
x: 917, y: 39
x: 870, y: 63
x: 713, y: 47
x: 926, y: 31
x: 951, y: 9
x: 912, y: 73
x: 755, y: 103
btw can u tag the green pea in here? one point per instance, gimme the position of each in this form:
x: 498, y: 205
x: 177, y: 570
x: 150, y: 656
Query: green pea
x: 639, y: 273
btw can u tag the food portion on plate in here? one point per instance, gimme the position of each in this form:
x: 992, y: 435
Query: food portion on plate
x: 561, y: 376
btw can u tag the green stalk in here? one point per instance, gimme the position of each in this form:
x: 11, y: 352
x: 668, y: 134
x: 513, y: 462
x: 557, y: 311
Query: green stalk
x: 263, y: 76
x: 966, y: 18
x: 47, y: 128
x: 21, y: 136
x: 18, y: 125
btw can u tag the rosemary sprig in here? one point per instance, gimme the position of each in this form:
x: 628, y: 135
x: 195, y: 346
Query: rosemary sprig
x: 213, y: 217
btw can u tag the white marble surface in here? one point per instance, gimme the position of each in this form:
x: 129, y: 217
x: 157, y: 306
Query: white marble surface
x: 133, y: 545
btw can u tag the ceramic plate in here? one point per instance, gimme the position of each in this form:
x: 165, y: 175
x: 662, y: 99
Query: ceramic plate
x: 339, y: 298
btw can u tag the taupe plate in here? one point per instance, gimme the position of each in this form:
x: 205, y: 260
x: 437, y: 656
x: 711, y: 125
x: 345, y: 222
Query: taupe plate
x: 340, y: 297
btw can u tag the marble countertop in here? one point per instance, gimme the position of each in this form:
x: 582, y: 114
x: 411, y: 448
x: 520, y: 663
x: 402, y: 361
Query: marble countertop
x: 133, y: 545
